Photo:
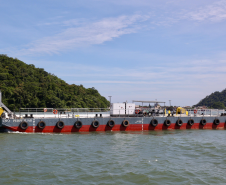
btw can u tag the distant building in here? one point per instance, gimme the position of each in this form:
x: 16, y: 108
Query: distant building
x: 187, y: 107
x: 202, y: 107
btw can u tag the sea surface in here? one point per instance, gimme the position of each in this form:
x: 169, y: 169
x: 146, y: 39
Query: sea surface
x: 155, y: 157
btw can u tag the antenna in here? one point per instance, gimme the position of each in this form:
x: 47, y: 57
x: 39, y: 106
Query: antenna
x: 110, y: 99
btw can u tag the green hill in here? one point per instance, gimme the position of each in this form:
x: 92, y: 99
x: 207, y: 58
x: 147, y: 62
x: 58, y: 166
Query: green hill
x: 32, y: 87
x: 215, y: 100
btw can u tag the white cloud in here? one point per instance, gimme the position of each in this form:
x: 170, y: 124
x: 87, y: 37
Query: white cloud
x: 178, y: 73
x: 211, y: 13
x: 89, y: 34
x: 214, y: 12
x: 66, y: 23
x: 80, y: 32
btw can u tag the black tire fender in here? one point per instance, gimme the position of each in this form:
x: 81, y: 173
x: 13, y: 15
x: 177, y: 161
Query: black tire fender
x: 60, y: 124
x: 203, y: 122
x: 191, y: 122
x: 78, y: 124
x: 95, y: 124
x: 23, y: 125
x: 111, y: 123
x: 216, y: 122
x: 167, y: 122
x: 41, y: 124
x: 154, y: 122
x: 125, y: 123
x: 179, y: 122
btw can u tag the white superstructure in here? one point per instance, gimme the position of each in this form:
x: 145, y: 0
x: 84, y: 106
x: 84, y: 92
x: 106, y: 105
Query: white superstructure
x: 122, y: 108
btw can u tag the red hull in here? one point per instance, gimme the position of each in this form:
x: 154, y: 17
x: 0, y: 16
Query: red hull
x: 184, y: 126
x: 131, y: 127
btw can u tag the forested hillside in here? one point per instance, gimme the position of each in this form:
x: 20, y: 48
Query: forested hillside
x: 215, y: 100
x: 34, y: 87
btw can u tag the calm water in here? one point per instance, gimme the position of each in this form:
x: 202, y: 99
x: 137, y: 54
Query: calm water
x: 169, y: 157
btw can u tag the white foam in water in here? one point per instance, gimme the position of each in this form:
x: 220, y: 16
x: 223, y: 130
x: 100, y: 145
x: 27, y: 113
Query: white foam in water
x: 30, y: 133
x: 17, y: 132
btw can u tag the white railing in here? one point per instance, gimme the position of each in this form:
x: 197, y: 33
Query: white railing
x: 206, y: 112
x: 106, y: 112
x: 62, y: 112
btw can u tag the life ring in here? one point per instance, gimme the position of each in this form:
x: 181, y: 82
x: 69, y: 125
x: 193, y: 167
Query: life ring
x: 167, y: 122
x: 154, y: 122
x: 55, y: 111
x: 191, y: 122
x: 216, y: 122
x: 41, y: 124
x: 137, y: 111
x: 95, y: 124
x: 179, y: 122
x: 60, y: 124
x: 78, y: 124
x: 45, y: 109
x: 195, y: 111
x: 23, y: 125
x: 203, y: 122
x: 111, y: 123
x: 125, y: 123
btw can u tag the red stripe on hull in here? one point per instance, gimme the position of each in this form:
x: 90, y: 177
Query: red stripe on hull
x: 85, y: 128
x: 184, y: 126
x: 131, y: 127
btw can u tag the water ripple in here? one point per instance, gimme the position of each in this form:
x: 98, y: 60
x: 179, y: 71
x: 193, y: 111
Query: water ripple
x: 163, y: 157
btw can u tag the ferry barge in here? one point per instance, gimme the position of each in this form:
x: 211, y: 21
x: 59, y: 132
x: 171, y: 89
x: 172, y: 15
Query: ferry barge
x: 120, y: 117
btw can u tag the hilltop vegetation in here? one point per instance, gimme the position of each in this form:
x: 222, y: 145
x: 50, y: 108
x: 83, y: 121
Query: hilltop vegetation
x: 216, y: 100
x: 32, y: 87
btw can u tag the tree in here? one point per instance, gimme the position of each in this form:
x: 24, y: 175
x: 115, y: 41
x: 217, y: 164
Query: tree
x: 218, y: 105
x: 30, y: 86
x: 213, y: 98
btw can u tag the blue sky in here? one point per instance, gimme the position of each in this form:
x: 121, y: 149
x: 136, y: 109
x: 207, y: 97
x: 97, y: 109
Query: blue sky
x: 132, y: 50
